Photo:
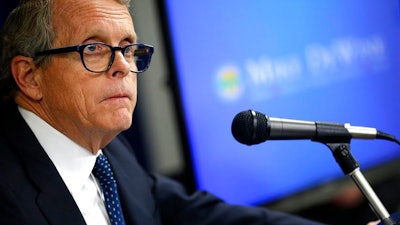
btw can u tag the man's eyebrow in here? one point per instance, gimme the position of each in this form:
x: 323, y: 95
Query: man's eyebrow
x: 99, y: 34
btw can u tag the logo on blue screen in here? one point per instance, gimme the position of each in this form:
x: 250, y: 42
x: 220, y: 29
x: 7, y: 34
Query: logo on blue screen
x: 229, y: 83
x: 315, y: 66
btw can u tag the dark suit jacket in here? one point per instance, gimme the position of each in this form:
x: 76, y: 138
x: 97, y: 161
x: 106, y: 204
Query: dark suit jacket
x: 32, y: 191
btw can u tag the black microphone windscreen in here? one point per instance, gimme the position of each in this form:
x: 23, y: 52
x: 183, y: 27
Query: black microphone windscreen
x: 250, y: 127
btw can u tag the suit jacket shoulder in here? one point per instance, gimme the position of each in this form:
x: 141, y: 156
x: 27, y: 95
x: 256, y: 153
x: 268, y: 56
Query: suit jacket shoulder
x: 31, y: 190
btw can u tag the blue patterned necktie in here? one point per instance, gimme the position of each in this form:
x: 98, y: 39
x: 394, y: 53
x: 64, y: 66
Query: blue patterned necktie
x: 102, y: 171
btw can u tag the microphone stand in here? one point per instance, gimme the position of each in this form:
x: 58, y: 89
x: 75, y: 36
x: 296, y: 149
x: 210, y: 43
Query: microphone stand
x: 349, y: 166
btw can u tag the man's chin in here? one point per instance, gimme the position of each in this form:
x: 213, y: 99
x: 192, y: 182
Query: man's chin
x: 119, y: 121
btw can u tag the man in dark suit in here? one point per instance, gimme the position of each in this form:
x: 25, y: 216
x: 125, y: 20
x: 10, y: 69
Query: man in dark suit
x: 68, y: 88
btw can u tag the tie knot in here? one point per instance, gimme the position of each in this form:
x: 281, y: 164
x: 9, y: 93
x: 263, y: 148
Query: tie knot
x: 102, y: 170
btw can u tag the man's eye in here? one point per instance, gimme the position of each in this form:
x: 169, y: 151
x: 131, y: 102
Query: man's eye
x: 96, y: 48
x: 129, y: 51
x: 91, y: 47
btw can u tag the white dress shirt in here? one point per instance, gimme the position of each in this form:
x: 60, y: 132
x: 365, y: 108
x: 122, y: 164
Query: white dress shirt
x: 74, y: 164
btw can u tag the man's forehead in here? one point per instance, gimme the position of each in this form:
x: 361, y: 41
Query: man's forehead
x: 90, y: 16
x: 70, y: 9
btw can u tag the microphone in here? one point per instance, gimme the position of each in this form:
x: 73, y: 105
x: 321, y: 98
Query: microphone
x: 251, y: 127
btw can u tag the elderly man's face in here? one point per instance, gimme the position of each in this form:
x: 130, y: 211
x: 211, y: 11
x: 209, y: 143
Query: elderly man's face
x: 79, y: 101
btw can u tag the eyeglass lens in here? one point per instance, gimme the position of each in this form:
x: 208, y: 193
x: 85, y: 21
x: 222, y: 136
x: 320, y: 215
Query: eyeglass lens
x: 98, y: 57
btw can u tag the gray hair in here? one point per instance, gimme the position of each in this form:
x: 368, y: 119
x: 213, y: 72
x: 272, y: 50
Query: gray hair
x: 27, y: 30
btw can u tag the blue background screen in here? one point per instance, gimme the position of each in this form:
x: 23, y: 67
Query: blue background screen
x: 333, y: 61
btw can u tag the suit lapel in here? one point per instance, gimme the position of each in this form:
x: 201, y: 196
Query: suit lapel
x: 134, y: 186
x: 54, y: 199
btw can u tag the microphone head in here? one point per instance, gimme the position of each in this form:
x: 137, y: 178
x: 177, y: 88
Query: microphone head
x: 250, y: 127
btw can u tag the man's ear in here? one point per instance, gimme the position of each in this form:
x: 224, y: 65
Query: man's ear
x: 25, y: 74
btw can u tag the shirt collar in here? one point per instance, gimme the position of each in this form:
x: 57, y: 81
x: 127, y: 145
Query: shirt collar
x: 73, y: 162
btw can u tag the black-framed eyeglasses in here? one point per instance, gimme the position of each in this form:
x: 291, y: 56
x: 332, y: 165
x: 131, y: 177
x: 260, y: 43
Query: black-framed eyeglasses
x: 98, y: 57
